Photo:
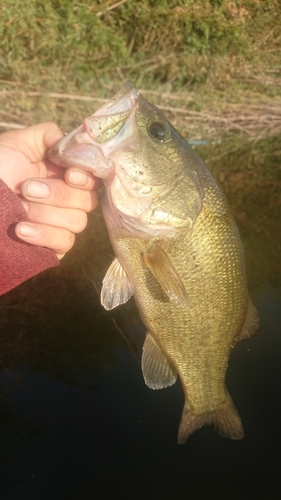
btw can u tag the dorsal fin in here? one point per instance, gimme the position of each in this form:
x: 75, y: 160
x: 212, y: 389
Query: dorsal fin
x: 166, y: 274
x: 156, y: 369
x: 116, y: 286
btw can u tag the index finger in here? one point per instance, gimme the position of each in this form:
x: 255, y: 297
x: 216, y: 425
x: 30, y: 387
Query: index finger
x: 57, y: 193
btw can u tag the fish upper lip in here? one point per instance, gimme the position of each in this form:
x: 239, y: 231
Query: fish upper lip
x: 113, y: 106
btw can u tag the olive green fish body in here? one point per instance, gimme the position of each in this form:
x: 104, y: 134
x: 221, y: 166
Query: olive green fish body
x: 177, y: 249
x: 196, y: 340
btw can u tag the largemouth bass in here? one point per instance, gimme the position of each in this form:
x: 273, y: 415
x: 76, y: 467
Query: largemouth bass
x: 178, y: 252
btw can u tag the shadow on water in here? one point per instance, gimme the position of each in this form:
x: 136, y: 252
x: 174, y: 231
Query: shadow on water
x: 76, y: 419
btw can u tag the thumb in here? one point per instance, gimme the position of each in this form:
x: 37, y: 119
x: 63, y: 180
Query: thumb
x: 33, y: 141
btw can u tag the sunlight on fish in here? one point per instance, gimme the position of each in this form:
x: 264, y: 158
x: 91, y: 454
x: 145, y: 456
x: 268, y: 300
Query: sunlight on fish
x: 177, y: 251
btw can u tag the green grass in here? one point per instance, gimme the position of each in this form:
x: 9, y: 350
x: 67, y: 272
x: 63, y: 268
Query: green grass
x: 208, y: 53
x: 83, y: 41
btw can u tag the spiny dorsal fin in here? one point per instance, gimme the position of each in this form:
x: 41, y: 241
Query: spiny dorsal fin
x: 156, y: 369
x: 166, y: 274
x: 116, y: 286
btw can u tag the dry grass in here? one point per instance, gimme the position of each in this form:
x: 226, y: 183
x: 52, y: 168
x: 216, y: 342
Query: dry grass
x: 212, y: 67
x: 252, y: 117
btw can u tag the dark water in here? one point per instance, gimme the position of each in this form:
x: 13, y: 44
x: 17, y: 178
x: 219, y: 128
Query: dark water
x: 76, y: 419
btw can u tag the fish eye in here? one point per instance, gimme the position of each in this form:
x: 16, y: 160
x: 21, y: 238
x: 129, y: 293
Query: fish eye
x: 158, y: 131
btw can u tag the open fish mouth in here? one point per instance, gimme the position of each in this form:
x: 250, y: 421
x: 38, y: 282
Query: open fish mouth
x: 89, y: 146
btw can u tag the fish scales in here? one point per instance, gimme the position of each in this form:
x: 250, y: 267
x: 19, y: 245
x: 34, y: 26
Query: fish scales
x: 177, y: 249
x: 208, y: 273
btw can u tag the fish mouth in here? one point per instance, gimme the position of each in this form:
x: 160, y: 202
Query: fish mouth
x: 90, y: 145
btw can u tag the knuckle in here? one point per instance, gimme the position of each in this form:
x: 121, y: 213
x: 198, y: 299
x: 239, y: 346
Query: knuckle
x: 61, y: 194
x: 52, y: 126
x: 81, y: 221
x: 33, y: 210
x: 67, y: 242
x: 71, y: 240
x: 92, y: 201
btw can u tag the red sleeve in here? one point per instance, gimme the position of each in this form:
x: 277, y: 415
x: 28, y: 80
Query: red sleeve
x: 19, y: 261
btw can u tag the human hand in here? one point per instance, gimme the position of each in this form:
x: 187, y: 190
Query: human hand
x: 56, y: 200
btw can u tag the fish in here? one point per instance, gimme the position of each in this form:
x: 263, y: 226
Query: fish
x: 177, y: 252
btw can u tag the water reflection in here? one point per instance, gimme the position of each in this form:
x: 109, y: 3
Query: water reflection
x: 77, y: 421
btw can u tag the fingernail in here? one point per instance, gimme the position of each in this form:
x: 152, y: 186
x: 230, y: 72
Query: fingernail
x: 27, y: 230
x: 25, y: 205
x: 78, y: 178
x: 36, y: 189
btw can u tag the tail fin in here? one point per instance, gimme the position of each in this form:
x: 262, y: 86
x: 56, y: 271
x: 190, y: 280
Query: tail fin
x: 225, y: 419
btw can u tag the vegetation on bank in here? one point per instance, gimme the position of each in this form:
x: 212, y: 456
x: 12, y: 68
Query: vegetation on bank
x: 197, y: 56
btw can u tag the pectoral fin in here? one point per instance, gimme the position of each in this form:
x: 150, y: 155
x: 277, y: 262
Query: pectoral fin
x: 166, y: 274
x: 116, y: 286
x: 156, y: 369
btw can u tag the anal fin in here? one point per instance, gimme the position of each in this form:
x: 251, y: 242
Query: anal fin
x: 156, y: 369
x: 225, y: 420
